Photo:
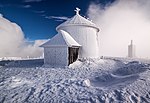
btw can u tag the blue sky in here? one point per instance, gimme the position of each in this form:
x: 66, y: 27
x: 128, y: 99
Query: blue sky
x: 39, y: 18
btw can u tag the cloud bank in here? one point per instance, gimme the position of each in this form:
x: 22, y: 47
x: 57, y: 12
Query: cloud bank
x: 13, y: 43
x: 121, y: 22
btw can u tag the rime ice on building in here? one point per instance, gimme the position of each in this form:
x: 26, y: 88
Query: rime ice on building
x: 131, y: 50
x: 77, y: 38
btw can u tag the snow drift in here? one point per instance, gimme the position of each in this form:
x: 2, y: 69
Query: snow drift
x: 13, y: 43
x: 85, y: 81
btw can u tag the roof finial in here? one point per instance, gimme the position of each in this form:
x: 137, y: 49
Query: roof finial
x: 77, y: 10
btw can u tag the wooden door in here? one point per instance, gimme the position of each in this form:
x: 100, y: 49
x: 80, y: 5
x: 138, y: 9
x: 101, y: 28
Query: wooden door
x: 73, y: 54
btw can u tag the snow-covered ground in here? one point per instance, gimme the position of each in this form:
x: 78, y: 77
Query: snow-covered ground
x: 109, y: 80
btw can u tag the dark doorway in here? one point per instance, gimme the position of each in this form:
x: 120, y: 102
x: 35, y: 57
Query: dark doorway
x: 73, y: 54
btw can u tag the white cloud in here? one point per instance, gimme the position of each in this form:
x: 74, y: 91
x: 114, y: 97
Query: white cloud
x: 121, y: 22
x: 57, y: 18
x: 39, y: 12
x: 1, y: 15
x: 13, y: 43
x: 26, y: 6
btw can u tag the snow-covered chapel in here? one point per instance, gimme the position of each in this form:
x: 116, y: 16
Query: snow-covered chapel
x: 77, y: 38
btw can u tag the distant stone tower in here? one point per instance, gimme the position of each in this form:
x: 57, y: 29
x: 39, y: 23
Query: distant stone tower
x: 131, y: 50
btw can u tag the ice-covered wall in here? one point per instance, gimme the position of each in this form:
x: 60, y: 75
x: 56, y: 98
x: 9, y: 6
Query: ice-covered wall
x: 86, y: 36
x: 56, y: 56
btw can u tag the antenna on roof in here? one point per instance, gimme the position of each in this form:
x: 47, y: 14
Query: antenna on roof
x: 77, y: 10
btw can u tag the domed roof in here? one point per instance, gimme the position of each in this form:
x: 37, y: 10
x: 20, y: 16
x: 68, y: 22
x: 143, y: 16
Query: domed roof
x: 77, y: 20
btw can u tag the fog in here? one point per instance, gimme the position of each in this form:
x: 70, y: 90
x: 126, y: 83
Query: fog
x: 13, y: 43
x: 121, y: 22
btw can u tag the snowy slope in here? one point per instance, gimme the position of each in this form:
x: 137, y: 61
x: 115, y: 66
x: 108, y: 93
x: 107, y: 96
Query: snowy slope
x: 85, y: 81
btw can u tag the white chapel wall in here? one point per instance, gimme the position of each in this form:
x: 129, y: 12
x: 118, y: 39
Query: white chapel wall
x: 56, y: 56
x: 87, y: 37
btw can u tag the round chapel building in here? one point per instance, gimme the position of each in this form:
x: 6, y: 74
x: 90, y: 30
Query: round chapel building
x: 77, y: 38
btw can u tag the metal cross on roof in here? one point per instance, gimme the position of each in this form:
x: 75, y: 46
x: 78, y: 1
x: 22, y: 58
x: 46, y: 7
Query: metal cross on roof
x: 77, y: 10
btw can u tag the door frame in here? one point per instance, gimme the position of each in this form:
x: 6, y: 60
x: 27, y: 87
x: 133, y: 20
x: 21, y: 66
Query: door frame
x: 73, y: 54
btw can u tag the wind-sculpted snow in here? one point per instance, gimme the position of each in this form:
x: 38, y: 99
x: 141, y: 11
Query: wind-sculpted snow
x: 85, y: 81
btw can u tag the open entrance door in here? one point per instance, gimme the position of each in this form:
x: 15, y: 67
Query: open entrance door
x: 73, y: 54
